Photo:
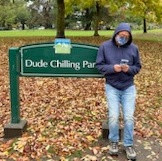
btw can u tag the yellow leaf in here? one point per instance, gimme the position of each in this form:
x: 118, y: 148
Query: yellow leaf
x: 90, y: 138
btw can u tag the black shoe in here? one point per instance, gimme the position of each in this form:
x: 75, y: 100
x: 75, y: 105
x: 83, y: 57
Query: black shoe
x: 113, y: 150
x: 130, y: 152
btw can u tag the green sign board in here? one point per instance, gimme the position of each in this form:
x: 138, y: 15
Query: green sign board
x: 42, y: 60
x: 59, y: 59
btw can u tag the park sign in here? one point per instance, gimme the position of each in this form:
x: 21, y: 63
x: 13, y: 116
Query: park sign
x: 60, y: 58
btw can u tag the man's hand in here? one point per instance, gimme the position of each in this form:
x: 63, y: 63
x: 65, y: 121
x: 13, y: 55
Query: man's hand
x: 125, y: 68
x: 117, y: 68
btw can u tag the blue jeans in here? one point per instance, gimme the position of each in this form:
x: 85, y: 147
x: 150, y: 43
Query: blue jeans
x: 125, y: 98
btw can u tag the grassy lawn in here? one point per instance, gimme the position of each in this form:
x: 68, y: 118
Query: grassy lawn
x: 152, y: 35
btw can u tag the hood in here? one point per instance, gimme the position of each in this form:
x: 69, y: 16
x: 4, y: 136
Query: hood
x: 123, y: 27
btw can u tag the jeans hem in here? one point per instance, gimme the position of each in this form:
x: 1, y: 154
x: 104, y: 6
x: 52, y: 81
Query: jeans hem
x: 126, y: 145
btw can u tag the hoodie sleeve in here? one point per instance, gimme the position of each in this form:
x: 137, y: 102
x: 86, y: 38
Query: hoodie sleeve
x: 101, y: 65
x: 135, y: 68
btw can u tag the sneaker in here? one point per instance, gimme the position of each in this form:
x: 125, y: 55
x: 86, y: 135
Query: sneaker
x: 130, y: 152
x: 113, y: 150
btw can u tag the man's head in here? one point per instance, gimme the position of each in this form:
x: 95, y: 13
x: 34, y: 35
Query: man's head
x: 122, y: 34
x: 122, y: 37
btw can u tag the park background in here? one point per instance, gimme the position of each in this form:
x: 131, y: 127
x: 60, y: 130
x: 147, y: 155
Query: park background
x: 65, y: 114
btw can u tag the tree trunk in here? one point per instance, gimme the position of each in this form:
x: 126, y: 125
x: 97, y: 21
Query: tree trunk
x: 88, y: 26
x: 144, y: 26
x: 23, y: 26
x: 46, y: 15
x: 87, y: 20
x: 60, y: 19
x: 96, y: 20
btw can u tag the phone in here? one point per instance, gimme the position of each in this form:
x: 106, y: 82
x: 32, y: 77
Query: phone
x: 124, y: 62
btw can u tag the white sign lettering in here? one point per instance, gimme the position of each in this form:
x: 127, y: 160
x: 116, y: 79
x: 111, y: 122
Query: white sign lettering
x: 40, y: 64
x: 88, y: 64
x: 58, y: 64
x: 65, y: 64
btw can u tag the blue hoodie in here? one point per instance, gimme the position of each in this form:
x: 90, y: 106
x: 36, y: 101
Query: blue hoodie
x: 110, y: 54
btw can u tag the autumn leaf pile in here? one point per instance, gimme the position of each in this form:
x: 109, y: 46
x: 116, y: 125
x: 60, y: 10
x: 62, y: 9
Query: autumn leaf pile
x: 65, y: 114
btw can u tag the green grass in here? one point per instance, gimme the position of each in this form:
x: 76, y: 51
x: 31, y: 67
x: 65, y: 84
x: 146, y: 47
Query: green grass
x: 152, y: 35
x: 27, y: 33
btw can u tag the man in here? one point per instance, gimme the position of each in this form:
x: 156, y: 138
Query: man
x: 118, y: 60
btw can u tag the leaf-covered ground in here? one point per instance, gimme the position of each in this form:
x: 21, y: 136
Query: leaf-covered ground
x: 65, y: 114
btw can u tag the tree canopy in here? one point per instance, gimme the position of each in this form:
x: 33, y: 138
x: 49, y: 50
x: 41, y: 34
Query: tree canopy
x: 148, y: 10
x: 78, y: 14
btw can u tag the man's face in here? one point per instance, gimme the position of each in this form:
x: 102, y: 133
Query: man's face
x: 122, y: 38
x: 124, y: 34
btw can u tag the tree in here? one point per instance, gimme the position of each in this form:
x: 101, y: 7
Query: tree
x: 4, y: 2
x: 22, y: 16
x: 65, y: 7
x: 47, y: 13
x: 42, y: 13
x: 7, y: 14
x: 148, y: 10
x: 97, y: 18
x: 97, y: 7
x: 87, y: 19
x: 22, y: 13
x: 92, y: 11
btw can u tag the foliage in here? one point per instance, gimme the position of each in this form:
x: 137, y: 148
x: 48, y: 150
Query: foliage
x: 22, y: 14
x: 42, y: 13
x: 36, y: 13
x: 92, y: 11
x: 4, y: 2
x: 7, y: 15
x: 147, y: 9
x: 79, y: 14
